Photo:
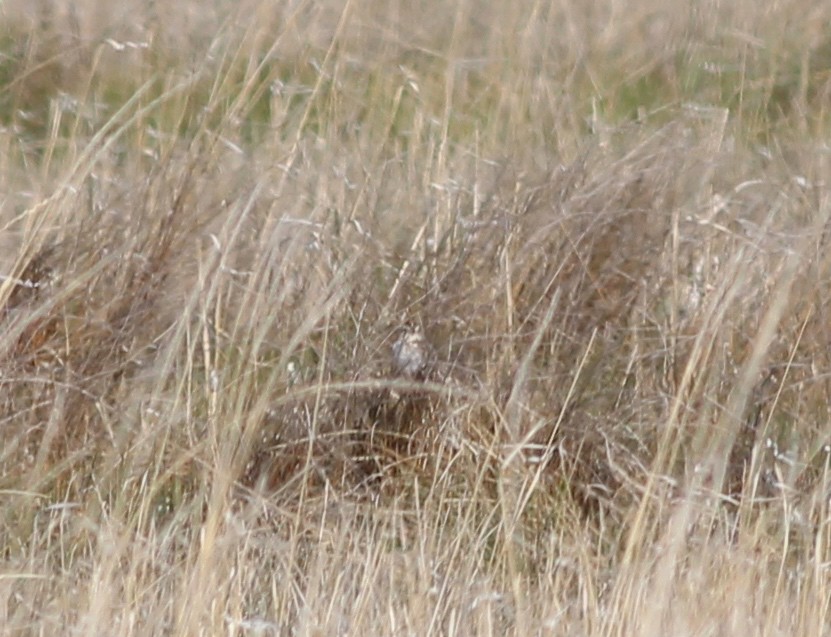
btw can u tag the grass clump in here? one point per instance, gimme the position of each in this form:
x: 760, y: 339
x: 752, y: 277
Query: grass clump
x: 352, y: 319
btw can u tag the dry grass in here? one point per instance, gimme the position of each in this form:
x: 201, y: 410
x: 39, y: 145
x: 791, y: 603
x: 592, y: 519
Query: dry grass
x: 608, y: 224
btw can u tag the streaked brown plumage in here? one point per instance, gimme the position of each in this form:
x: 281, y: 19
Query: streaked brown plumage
x: 412, y: 355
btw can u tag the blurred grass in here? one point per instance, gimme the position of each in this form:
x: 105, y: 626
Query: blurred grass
x: 609, y: 221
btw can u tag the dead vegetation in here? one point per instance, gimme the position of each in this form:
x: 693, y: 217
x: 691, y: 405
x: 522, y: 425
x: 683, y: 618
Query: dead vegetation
x: 329, y: 320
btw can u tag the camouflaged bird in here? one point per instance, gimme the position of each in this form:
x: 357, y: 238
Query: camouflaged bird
x: 412, y: 355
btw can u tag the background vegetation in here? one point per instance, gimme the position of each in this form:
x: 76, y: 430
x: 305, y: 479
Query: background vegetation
x: 609, y: 220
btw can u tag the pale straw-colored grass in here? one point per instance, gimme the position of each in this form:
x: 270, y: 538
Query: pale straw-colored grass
x: 457, y: 318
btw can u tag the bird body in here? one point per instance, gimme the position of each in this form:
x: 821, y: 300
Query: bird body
x: 411, y: 354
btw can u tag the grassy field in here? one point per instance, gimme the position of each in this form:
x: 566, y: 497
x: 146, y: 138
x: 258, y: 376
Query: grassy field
x: 601, y: 227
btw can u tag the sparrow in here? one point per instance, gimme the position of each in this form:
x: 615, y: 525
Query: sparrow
x: 412, y: 355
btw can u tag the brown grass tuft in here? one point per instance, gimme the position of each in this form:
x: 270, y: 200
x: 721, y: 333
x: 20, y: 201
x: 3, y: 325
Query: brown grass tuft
x: 364, y: 318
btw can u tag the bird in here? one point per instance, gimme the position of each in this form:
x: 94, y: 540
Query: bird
x: 412, y: 354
